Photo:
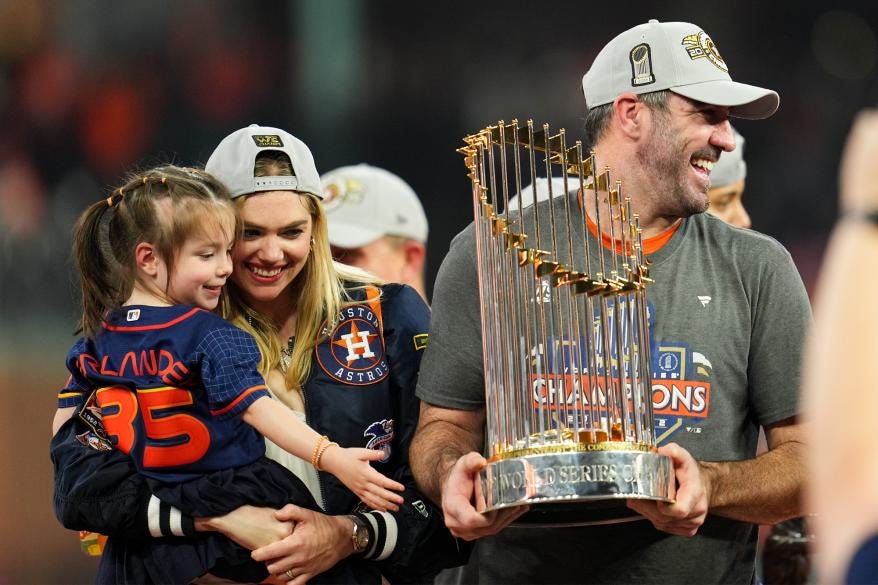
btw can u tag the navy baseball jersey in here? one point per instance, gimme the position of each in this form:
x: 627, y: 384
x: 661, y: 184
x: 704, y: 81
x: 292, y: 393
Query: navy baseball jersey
x: 170, y: 383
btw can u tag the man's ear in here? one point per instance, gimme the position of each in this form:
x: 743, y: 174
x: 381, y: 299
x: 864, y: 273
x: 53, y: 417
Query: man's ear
x: 629, y: 113
x: 146, y: 259
x: 415, y: 254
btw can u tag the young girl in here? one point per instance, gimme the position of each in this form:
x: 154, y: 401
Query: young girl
x: 177, y: 386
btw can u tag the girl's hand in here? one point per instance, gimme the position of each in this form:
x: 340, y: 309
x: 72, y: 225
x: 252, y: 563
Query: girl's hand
x: 351, y: 467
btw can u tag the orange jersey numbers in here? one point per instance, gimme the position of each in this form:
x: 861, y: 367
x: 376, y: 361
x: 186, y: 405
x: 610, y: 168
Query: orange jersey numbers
x: 171, y: 426
x: 118, y: 409
x: 162, y: 422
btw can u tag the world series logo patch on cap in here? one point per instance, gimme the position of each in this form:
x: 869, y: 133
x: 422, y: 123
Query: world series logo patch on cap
x: 701, y: 45
x: 341, y: 190
x: 354, y: 353
x: 268, y: 141
x: 641, y: 65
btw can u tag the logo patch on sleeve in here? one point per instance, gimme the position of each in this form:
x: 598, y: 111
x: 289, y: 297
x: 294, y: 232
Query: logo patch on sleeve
x: 354, y: 353
x: 93, y: 441
x: 96, y: 436
x: 420, y: 341
x: 381, y: 437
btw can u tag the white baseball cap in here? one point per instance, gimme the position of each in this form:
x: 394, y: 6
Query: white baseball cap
x: 730, y: 168
x: 678, y: 56
x: 233, y: 161
x: 542, y: 188
x: 364, y: 203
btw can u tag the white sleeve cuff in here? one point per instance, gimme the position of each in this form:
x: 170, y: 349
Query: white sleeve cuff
x: 386, y: 532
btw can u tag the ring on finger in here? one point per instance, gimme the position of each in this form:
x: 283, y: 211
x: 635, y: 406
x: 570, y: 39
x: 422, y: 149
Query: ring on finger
x: 289, y: 573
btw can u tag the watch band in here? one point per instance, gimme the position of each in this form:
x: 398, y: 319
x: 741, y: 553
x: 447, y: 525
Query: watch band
x: 361, y: 535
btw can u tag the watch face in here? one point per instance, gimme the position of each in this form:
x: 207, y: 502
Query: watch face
x: 360, y: 536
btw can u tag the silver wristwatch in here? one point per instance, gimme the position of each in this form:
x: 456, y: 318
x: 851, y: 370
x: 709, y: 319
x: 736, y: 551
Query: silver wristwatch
x: 359, y: 535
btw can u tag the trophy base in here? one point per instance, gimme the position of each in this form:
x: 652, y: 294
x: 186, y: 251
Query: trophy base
x: 576, y: 488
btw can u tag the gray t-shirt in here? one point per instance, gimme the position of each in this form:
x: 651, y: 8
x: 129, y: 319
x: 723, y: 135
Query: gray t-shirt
x: 729, y: 318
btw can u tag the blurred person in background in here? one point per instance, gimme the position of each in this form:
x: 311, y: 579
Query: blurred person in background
x: 727, y: 186
x: 377, y: 223
x: 840, y: 392
x: 339, y: 349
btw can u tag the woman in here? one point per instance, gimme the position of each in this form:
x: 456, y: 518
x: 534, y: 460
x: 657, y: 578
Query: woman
x: 336, y: 347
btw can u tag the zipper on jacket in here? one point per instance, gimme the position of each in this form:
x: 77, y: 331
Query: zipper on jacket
x: 308, y: 418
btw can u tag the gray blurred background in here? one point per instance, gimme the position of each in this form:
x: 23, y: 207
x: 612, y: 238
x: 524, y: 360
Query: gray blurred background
x: 92, y: 88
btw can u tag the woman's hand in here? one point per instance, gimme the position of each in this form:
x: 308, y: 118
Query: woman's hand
x: 249, y: 526
x: 317, y: 543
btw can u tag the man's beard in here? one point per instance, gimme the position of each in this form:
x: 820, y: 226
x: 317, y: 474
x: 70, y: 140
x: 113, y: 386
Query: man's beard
x: 665, y: 163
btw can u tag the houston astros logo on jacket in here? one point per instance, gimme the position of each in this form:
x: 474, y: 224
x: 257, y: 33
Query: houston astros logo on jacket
x: 355, y: 352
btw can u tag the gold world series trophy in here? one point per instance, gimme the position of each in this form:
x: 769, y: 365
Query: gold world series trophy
x: 565, y: 332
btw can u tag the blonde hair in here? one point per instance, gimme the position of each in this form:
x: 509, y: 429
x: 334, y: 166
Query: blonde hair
x: 320, y: 290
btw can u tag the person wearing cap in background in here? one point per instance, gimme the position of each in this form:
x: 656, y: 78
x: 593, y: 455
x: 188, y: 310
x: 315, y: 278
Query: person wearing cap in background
x: 541, y: 187
x: 339, y: 350
x: 727, y: 186
x: 377, y: 223
x: 729, y: 312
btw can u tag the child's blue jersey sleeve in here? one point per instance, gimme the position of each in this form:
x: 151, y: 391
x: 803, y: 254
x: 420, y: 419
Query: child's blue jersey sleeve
x: 229, y: 371
x: 77, y: 388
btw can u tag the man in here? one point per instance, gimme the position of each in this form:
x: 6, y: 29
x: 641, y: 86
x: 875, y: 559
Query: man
x: 376, y: 223
x: 727, y: 186
x: 785, y: 555
x: 729, y: 310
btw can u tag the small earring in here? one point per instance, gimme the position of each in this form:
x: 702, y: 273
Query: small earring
x: 312, y: 242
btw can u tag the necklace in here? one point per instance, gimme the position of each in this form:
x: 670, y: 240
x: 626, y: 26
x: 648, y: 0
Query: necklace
x: 286, y: 353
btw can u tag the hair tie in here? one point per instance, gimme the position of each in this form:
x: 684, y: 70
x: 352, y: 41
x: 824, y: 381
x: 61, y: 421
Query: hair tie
x: 115, y: 197
x: 164, y: 180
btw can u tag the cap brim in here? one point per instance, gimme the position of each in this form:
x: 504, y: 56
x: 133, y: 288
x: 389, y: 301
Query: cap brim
x: 744, y: 101
x: 344, y: 235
